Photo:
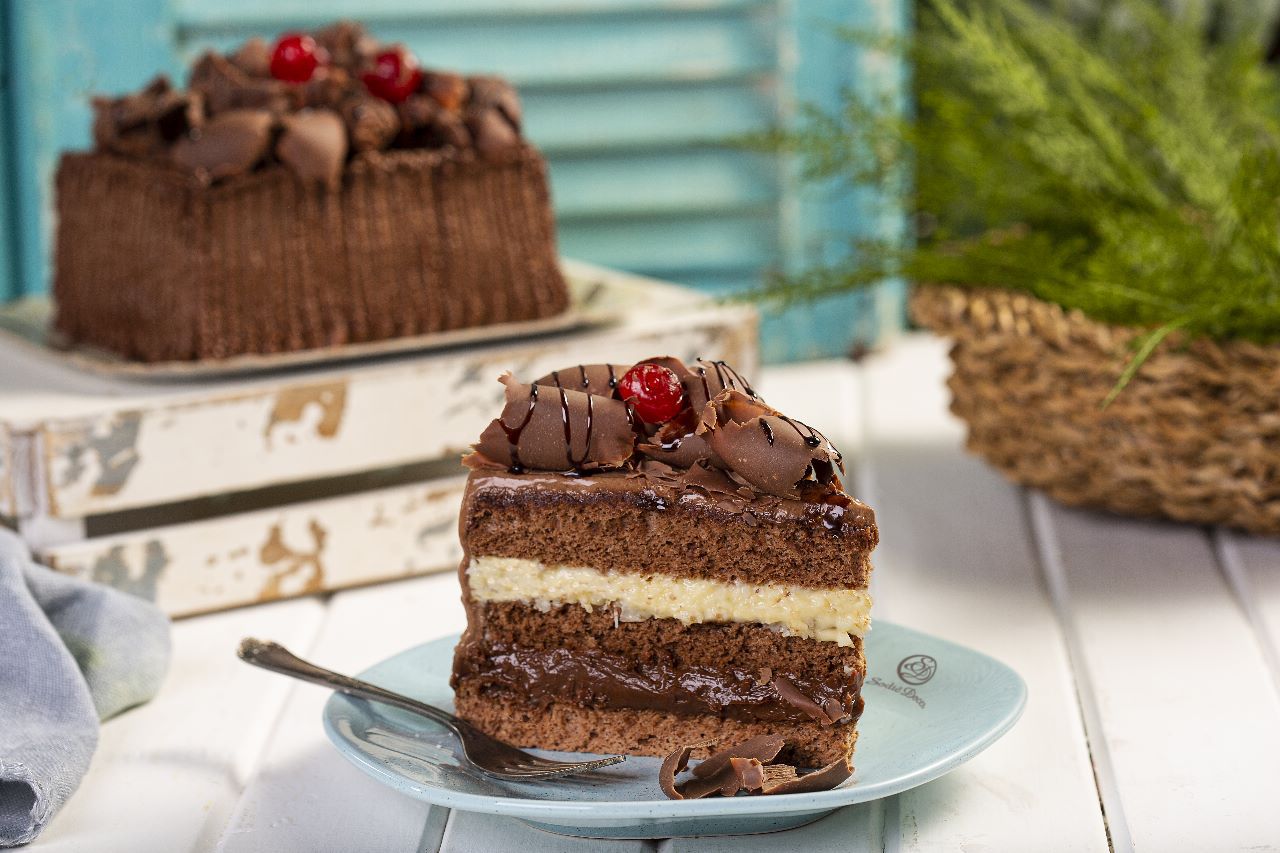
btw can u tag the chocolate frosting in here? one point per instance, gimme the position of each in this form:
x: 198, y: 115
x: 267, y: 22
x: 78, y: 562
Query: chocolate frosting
x: 725, y: 440
x: 482, y: 114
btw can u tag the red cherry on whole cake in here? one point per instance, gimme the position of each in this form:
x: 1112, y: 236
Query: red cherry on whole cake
x: 295, y: 58
x: 654, y: 392
x: 394, y: 77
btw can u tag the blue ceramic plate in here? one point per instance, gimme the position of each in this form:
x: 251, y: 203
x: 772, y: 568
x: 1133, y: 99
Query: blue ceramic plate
x: 931, y: 705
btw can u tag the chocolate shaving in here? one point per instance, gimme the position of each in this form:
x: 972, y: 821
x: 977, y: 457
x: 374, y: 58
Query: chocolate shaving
x: 599, y: 379
x: 746, y: 768
x: 763, y: 748
x: 821, y: 780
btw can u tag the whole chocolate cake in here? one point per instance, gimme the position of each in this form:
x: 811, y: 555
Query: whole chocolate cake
x: 655, y: 558
x: 315, y: 192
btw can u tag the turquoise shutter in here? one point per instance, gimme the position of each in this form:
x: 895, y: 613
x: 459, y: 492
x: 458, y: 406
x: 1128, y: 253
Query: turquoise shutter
x: 635, y: 102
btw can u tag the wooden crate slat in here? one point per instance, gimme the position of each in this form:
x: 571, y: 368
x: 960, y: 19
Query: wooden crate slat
x: 124, y: 445
x: 1185, y: 700
x: 304, y: 795
x: 7, y: 505
x: 168, y: 774
x: 1252, y: 567
x: 956, y: 559
x: 291, y: 550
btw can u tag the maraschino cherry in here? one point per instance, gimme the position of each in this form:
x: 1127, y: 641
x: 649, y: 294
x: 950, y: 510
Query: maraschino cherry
x: 654, y: 392
x: 395, y: 75
x: 295, y: 58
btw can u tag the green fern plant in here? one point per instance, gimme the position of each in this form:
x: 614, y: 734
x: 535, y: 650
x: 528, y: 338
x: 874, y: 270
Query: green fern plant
x: 1122, y: 163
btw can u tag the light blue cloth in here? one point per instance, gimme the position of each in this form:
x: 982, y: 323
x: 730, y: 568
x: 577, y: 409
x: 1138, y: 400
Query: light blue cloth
x: 71, y: 653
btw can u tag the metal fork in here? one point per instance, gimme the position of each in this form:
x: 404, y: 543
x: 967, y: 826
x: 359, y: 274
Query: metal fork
x: 486, y: 753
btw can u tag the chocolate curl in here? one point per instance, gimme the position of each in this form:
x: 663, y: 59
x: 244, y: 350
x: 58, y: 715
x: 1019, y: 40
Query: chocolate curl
x: 314, y: 146
x: 497, y: 93
x: 776, y: 454
x: 599, y: 379
x: 372, y: 123
x: 146, y: 122
x: 347, y: 44
x: 229, y: 144
x: 492, y: 133
x: 821, y: 780
x: 763, y: 748
x: 224, y: 86
x: 555, y: 429
x: 745, y: 767
x: 253, y: 57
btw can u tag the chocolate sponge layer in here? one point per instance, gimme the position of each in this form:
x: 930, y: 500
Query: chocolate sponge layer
x: 572, y: 728
x: 626, y: 524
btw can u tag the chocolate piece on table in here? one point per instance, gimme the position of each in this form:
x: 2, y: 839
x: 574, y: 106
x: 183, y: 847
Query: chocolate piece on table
x: 229, y: 144
x: 314, y: 145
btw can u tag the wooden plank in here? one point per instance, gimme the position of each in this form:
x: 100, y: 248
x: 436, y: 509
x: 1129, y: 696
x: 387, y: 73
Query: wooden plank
x: 468, y: 832
x: 304, y: 795
x: 121, y: 453
x: 1251, y: 565
x: 167, y: 775
x: 851, y: 830
x: 297, y: 549
x: 1161, y: 635
x: 7, y: 473
x: 957, y: 559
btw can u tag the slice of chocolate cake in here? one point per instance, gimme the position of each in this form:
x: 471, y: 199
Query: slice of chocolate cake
x: 654, y: 557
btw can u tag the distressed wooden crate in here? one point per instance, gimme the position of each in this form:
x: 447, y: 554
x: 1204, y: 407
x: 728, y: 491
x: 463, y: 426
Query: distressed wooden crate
x: 219, y: 493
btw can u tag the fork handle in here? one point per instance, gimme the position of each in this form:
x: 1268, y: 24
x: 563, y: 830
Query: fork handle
x: 276, y: 658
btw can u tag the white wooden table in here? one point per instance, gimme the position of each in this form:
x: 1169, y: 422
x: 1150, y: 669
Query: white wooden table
x: 1150, y: 650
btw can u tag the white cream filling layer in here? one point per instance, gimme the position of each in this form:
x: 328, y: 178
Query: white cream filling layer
x: 832, y: 615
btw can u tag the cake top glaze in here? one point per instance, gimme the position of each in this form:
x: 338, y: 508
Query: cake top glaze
x: 716, y: 436
x: 310, y: 102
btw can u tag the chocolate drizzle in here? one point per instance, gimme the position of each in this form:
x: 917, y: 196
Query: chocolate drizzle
x: 514, y: 433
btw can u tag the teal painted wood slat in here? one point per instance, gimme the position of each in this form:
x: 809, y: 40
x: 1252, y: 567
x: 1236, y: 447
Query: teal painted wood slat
x: 656, y: 116
x: 693, y: 46
x: 663, y: 183
x: 63, y: 51
x: 208, y: 16
x: 8, y: 232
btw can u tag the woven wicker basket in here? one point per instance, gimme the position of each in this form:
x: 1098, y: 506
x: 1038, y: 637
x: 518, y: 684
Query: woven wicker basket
x: 1195, y: 436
